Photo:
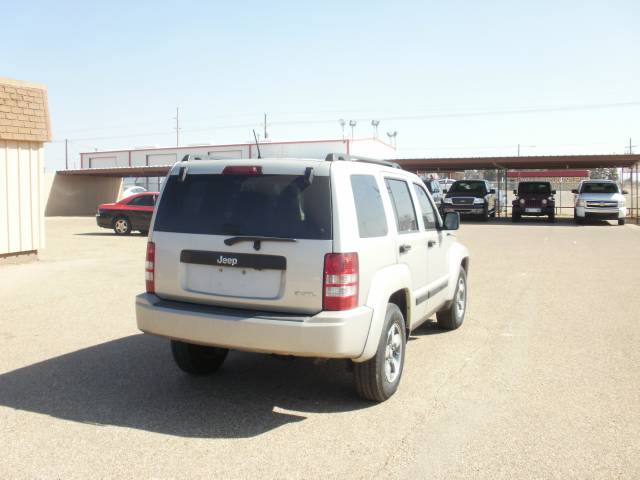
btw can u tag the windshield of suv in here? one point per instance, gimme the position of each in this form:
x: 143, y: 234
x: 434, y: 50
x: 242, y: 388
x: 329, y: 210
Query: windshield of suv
x: 253, y: 205
x: 466, y: 187
x: 526, y: 188
x: 593, y: 187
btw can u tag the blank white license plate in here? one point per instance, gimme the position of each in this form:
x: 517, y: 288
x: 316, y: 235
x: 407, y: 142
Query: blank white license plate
x: 532, y: 210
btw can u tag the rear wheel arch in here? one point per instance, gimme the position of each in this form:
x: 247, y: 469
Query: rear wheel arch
x: 401, y: 299
x: 465, y: 265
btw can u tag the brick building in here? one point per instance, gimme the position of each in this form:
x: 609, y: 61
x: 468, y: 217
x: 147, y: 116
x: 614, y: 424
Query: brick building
x: 24, y: 127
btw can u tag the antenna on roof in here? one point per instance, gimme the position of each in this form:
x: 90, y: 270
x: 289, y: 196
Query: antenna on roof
x: 257, y: 145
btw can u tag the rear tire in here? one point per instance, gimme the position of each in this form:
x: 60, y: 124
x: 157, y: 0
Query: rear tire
x: 515, y: 218
x: 621, y: 221
x: 122, y: 226
x: 197, y: 359
x: 452, y: 316
x: 378, y: 378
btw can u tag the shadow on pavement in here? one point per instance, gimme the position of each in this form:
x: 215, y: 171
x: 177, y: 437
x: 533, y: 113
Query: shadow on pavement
x: 430, y: 327
x: 542, y: 222
x: 132, y: 382
x: 109, y: 234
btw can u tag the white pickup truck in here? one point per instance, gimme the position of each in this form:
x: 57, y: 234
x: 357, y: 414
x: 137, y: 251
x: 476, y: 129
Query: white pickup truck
x: 599, y: 200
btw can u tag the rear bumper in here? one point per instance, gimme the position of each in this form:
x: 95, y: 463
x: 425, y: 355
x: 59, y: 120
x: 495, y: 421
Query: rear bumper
x: 326, y: 335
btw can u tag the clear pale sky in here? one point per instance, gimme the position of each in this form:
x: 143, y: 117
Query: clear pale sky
x: 453, y: 78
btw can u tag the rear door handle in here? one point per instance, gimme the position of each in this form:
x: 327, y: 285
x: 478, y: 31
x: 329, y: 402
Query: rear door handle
x: 431, y: 243
x: 405, y: 248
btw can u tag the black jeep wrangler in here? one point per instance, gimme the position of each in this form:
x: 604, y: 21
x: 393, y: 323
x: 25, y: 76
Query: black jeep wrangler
x: 534, y: 199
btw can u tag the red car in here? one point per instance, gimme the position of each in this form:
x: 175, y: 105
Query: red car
x: 131, y: 213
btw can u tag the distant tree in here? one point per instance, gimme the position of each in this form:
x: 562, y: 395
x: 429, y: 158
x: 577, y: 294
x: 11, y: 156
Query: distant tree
x: 490, y: 175
x: 604, y: 173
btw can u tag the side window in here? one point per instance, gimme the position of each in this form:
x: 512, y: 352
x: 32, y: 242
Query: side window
x: 143, y: 201
x: 402, y: 205
x: 428, y: 213
x: 372, y: 221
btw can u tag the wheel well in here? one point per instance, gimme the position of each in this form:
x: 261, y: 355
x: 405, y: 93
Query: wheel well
x: 465, y: 265
x: 399, y: 298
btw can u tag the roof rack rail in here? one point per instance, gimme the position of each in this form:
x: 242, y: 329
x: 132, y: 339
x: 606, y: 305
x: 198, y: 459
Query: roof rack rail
x: 333, y: 157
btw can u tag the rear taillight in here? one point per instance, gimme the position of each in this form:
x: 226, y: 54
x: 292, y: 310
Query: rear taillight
x: 242, y: 170
x: 150, y: 268
x: 340, y: 289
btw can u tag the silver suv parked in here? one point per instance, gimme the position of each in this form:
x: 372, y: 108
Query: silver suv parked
x: 335, y: 258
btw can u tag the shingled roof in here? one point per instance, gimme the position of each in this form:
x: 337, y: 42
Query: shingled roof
x: 24, y: 111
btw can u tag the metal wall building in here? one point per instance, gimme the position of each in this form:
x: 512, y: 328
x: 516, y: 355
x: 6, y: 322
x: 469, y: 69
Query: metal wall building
x: 145, y: 157
x: 24, y: 127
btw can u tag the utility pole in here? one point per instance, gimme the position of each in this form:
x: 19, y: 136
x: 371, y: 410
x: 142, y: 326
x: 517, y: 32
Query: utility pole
x: 265, y: 127
x: 518, y: 149
x: 177, y: 126
x: 66, y: 154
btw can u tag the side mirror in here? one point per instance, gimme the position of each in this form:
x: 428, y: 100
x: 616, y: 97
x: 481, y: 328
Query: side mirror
x: 574, y: 191
x: 553, y: 192
x: 445, y: 190
x: 515, y: 192
x: 452, y: 221
x: 492, y: 191
x: 624, y: 192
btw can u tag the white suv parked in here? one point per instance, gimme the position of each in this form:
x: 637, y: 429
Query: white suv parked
x: 335, y: 258
x: 599, y: 200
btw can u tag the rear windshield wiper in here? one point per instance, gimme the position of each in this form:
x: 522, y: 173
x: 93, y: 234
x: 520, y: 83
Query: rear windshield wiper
x: 256, y: 240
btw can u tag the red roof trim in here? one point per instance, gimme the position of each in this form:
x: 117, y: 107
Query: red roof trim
x: 548, y: 173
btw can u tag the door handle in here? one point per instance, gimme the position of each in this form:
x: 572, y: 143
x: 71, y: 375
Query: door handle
x: 431, y: 243
x: 405, y: 248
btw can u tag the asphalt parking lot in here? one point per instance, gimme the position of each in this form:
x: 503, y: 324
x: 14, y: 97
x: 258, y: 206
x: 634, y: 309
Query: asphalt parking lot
x: 542, y: 380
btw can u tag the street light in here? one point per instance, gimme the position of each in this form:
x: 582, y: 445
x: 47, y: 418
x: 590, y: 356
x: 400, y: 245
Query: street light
x: 374, y: 124
x: 352, y: 124
x: 392, y: 138
x: 342, y: 124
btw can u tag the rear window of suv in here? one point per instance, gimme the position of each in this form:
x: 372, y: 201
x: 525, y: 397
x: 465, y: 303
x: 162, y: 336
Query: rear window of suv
x: 256, y: 205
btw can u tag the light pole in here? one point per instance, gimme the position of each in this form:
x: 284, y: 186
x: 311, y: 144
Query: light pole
x: 374, y: 124
x: 352, y: 124
x: 392, y: 138
x: 342, y: 124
